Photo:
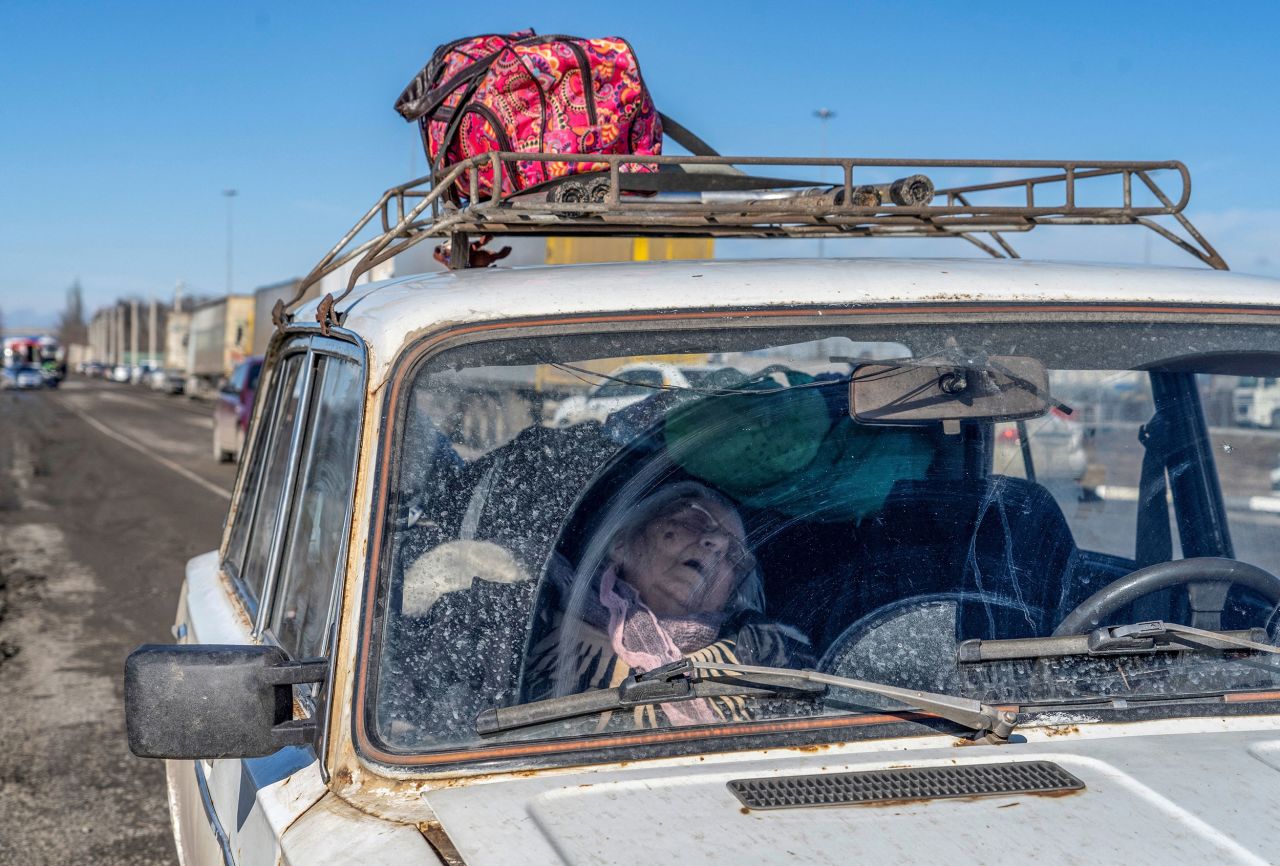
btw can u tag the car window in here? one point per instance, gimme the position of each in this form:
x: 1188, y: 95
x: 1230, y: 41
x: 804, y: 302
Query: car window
x: 236, y: 384
x: 758, y: 522
x: 1090, y: 458
x: 1244, y: 430
x: 254, y: 371
x: 277, y: 462
x: 284, y: 379
x: 315, y: 540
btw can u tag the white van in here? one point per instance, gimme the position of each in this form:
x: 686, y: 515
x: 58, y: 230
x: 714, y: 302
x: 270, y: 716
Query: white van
x: 817, y: 614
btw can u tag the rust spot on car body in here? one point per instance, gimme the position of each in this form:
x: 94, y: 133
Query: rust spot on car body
x: 1060, y: 730
x: 237, y: 606
x: 914, y: 801
x: 440, y: 842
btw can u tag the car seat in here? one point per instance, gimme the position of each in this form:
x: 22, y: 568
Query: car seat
x: 978, y: 537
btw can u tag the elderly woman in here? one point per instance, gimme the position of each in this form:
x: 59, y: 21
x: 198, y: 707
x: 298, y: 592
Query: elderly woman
x: 668, y: 578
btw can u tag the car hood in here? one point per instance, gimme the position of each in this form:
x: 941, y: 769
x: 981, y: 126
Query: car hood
x: 1166, y: 795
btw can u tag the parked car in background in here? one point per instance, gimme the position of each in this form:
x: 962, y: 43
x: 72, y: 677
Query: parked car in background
x: 623, y: 387
x: 31, y: 378
x: 120, y: 373
x: 140, y: 374
x: 168, y: 381
x: 232, y: 409
x: 23, y: 378
x: 1055, y: 448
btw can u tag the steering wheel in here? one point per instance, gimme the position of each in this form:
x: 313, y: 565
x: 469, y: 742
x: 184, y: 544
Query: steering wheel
x: 1207, y: 579
x: 871, y: 647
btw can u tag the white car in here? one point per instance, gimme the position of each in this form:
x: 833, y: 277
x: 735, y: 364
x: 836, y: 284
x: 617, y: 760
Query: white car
x: 1056, y: 443
x: 805, y: 620
x: 620, y: 388
x: 23, y: 378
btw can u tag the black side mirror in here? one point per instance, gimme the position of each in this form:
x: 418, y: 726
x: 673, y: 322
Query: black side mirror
x: 210, y: 701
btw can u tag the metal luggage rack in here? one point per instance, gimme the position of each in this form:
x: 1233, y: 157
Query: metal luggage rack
x: 410, y: 213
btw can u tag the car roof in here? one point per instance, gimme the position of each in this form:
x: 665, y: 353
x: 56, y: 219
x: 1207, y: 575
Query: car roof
x: 390, y: 313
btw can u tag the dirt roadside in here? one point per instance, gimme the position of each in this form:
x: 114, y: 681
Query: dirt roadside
x: 93, y: 539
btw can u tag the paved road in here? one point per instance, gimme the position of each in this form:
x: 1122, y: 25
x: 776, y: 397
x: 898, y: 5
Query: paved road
x: 94, y: 532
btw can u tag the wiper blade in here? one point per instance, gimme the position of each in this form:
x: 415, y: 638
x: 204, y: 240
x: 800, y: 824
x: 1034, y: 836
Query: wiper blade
x: 1116, y: 637
x: 671, y: 683
x: 981, y: 718
x: 1137, y: 638
x: 688, y: 680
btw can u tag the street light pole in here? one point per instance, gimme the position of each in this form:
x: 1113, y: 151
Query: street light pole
x: 230, y: 196
x: 823, y: 115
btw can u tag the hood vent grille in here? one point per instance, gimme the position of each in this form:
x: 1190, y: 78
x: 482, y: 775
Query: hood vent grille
x: 911, y: 783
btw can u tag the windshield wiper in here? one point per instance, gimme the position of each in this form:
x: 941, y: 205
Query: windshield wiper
x: 1137, y: 638
x: 688, y: 680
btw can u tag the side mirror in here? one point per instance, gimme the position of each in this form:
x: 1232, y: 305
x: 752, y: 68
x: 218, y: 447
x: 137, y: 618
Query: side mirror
x: 209, y: 701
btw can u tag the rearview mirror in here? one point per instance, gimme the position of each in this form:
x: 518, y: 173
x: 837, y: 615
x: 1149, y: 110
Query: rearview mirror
x: 1001, y: 388
x: 210, y: 701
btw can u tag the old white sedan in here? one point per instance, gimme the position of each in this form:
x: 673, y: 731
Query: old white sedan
x: 816, y: 612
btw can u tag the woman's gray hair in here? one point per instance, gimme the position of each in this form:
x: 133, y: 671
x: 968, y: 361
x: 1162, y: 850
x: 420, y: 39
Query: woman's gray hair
x: 624, y: 525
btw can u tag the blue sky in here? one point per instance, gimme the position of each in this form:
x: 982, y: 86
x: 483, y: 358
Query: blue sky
x: 121, y: 124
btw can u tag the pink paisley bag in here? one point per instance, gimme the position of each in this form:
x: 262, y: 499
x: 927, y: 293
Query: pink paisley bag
x: 525, y: 93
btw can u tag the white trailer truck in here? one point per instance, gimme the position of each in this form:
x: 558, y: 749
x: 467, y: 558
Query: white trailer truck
x: 220, y: 337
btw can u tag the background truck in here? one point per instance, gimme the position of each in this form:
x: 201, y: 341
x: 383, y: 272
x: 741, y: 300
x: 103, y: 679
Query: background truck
x: 220, y: 337
x: 265, y: 298
x: 1257, y: 402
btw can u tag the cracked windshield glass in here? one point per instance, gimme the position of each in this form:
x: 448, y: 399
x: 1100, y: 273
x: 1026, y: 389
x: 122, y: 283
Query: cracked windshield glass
x: 562, y: 517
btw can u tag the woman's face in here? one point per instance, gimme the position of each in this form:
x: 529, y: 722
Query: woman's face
x: 686, y: 560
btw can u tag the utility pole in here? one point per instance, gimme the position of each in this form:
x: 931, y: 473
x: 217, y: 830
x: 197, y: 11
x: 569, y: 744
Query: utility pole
x: 151, y: 330
x: 133, y: 333
x: 230, y: 195
x: 823, y: 115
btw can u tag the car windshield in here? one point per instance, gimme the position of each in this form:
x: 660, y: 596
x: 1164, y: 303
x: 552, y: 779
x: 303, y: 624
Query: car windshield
x: 747, y: 518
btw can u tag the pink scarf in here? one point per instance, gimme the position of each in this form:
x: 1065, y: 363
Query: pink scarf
x: 644, y: 642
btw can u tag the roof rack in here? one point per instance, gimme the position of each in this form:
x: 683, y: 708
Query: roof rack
x: 410, y: 213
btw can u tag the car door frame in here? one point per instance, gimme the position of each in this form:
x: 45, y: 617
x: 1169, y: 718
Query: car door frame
x: 244, y: 817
